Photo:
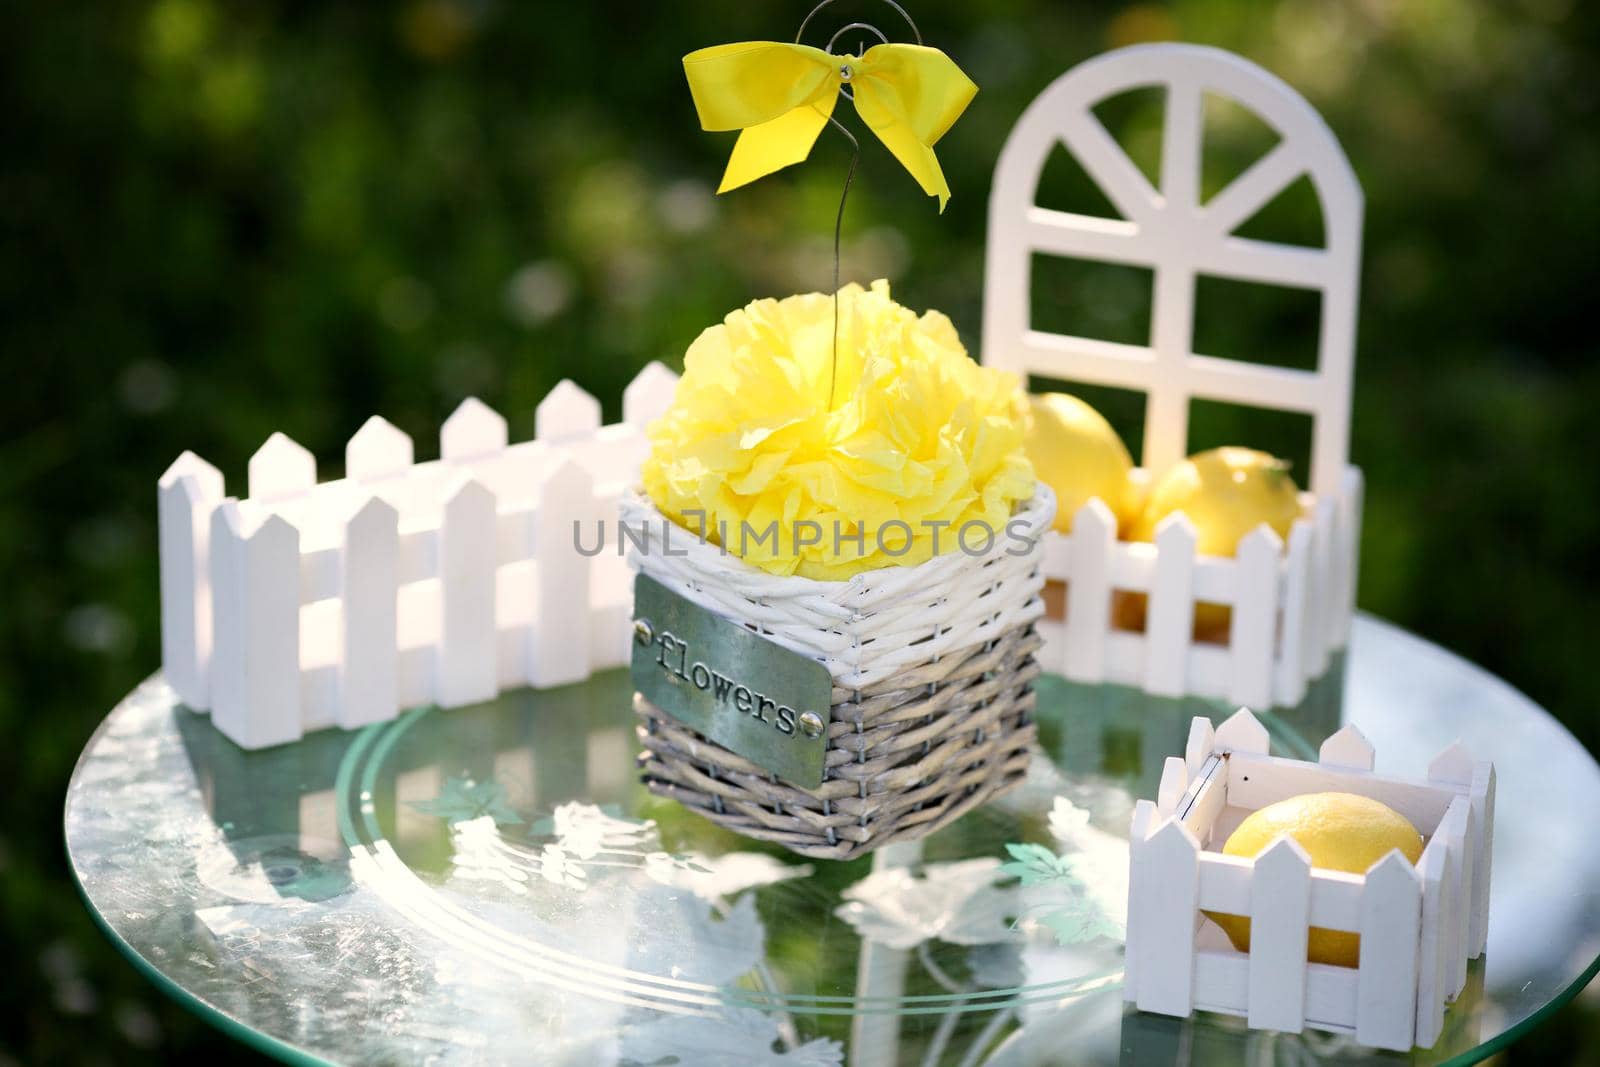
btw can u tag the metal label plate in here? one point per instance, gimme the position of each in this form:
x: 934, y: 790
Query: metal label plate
x: 743, y: 691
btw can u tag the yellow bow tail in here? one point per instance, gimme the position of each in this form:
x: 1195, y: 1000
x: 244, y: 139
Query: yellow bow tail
x: 781, y: 95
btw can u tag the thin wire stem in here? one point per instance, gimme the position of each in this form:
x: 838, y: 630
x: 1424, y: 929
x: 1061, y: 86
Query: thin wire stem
x: 855, y: 158
x: 838, y: 232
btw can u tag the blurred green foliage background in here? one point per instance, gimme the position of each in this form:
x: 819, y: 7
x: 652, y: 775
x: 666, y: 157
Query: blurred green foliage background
x: 223, y: 219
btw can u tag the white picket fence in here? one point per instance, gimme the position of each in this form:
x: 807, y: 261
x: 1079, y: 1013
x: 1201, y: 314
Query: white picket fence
x: 1418, y: 925
x: 1291, y: 605
x: 312, y: 604
x: 1287, y: 616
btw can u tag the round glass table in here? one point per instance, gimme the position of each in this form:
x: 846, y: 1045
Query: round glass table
x: 492, y: 884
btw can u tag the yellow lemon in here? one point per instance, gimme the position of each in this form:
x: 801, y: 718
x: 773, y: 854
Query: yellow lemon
x: 1077, y: 454
x: 1225, y: 493
x: 1340, y: 832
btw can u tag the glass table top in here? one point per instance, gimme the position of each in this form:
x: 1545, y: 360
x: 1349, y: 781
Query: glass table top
x: 492, y: 884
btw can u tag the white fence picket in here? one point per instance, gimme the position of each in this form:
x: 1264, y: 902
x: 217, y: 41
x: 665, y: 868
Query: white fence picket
x: 1348, y: 747
x: 1174, y: 781
x: 1202, y: 742
x: 1280, y: 924
x: 1413, y: 932
x: 1094, y: 535
x: 1169, y: 628
x: 649, y: 395
x: 1386, y: 983
x: 1347, y: 558
x: 1433, y: 951
x: 187, y: 494
x: 1242, y: 732
x: 378, y: 450
x: 1252, y: 640
x: 472, y: 431
x: 280, y: 468
x: 1456, y: 932
x: 566, y: 412
x: 1456, y: 767
x: 443, y: 572
x: 1165, y: 884
x: 560, y: 643
x: 256, y: 656
x: 1144, y: 819
x: 1319, y: 621
x: 1290, y: 684
x: 369, y: 674
x: 1483, y: 846
x: 467, y: 563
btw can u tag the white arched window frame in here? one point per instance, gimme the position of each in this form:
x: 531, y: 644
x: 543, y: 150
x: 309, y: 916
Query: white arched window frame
x: 1170, y: 231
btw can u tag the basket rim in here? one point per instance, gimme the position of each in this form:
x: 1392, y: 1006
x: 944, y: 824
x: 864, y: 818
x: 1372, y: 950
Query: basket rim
x: 1037, y: 511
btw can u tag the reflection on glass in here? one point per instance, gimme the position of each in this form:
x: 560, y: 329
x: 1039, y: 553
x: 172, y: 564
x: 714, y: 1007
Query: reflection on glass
x: 471, y: 884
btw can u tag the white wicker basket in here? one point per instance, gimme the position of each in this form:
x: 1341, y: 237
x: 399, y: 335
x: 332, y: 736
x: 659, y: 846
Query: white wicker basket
x: 933, y: 672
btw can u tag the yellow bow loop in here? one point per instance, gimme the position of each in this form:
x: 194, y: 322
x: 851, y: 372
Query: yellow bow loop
x: 781, y: 95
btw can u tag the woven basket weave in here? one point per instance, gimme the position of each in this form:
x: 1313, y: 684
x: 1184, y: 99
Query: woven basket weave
x: 933, y: 669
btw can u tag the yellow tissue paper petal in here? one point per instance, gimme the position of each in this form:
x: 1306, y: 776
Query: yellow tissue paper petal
x: 917, y: 434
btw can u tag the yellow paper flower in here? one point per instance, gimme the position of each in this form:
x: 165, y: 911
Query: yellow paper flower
x: 920, y: 441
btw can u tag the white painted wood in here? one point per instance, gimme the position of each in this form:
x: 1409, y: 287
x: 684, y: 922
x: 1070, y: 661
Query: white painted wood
x: 1455, y: 767
x: 378, y: 450
x: 1243, y: 733
x: 1291, y: 667
x: 1173, y: 233
x: 256, y: 669
x: 1169, y: 231
x: 281, y: 468
x: 1210, y: 797
x: 1174, y: 783
x: 1433, y: 951
x: 1141, y: 825
x: 1280, y: 907
x: 1418, y: 918
x: 1202, y: 742
x: 1348, y: 747
x: 649, y: 395
x: 473, y: 430
x: 369, y: 669
x: 559, y: 652
x: 1386, y: 994
x: 565, y: 412
x: 188, y: 492
x: 494, y: 606
x: 1167, y: 885
x: 1458, y: 830
x: 1094, y: 535
x: 1483, y: 778
x: 1452, y: 766
x: 467, y: 644
x: 1169, y: 626
x: 1255, y: 781
x: 1347, y: 563
x: 1254, y: 637
x: 1318, y: 622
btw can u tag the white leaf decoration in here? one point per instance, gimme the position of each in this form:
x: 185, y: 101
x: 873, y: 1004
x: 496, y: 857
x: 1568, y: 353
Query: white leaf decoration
x: 585, y: 831
x: 737, y: 1035
x: 714, y: 877
x: 955, y: 902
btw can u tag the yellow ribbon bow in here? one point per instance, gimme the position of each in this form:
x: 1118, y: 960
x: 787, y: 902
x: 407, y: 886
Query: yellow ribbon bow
x: 781, y: 95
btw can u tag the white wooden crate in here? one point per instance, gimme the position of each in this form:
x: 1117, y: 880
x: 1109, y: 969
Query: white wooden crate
x: 308, y: 604
x: 1292, y: 604
x: 1418, y: 925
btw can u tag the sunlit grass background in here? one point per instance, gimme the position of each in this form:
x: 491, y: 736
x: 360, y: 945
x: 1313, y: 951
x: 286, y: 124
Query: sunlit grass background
x: 221, y: 219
